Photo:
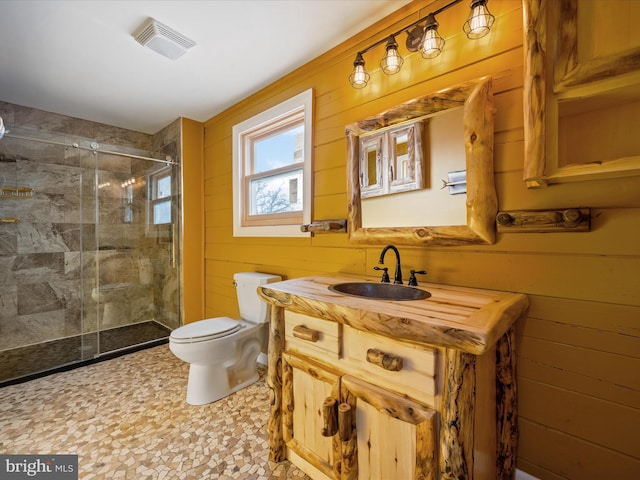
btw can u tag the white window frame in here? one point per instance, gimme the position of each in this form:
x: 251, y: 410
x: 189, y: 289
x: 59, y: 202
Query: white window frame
x: 302, y: 102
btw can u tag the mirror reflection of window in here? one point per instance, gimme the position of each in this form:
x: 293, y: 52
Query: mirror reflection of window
x: 391, y: 160
x: 371, y: 178
x: 372, y: 168
x: 128, y: 209
x: 402, y: 157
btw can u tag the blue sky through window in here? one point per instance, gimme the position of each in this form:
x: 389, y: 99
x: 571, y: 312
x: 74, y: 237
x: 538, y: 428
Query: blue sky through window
x: 277, y: 151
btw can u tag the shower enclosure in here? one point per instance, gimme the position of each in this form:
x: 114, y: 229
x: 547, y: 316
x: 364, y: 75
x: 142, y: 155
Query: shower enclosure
x: 88, y: 250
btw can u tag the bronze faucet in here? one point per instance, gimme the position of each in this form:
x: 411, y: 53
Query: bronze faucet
x: 398, y: 276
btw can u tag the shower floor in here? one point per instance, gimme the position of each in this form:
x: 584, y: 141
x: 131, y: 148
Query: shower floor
x: 24, y: 363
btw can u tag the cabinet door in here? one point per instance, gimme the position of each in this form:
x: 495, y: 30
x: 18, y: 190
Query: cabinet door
x: 306, y: 385
x: 384, y: 435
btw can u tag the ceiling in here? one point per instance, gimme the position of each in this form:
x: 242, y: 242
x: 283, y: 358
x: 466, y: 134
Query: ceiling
x: 79, y: 58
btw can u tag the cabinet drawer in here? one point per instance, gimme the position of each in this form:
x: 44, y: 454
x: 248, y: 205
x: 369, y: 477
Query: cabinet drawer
x: 312, y: 336
x: 392, y: 364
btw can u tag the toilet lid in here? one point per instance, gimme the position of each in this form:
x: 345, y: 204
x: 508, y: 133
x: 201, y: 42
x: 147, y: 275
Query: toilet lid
x: 203, y: 330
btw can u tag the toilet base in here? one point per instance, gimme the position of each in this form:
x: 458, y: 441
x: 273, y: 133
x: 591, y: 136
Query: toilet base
x: 209, y: 384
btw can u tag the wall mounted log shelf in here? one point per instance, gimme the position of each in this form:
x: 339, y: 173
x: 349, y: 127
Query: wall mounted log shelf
x: 544, y: 221
x: 325, y: 226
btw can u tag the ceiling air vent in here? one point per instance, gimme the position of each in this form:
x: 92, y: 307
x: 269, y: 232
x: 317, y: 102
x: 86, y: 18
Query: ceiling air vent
x: 162, y: 39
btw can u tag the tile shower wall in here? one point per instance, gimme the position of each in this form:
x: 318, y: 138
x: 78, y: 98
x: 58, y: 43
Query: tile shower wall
x: 46, y: 257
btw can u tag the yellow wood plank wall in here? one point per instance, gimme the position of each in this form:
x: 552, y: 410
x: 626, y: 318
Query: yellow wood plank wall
x: 192, y: 241
x: 578, y: 349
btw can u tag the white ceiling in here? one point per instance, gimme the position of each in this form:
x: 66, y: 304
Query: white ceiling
x: 79, y: 58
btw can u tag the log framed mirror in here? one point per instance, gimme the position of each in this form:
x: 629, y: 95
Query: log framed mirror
x: 476, y: 99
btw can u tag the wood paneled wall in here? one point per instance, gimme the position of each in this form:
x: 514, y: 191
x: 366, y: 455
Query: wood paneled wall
x: 578, y: 349
x: 192, y: 241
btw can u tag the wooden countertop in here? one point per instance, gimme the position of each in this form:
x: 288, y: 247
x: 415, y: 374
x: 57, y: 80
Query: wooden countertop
x: 466, y: 319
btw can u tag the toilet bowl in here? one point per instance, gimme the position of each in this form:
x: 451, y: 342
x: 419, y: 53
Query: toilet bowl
x: 222, y: 352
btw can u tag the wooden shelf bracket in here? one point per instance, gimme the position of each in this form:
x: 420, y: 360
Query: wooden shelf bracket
x: 544, y: 221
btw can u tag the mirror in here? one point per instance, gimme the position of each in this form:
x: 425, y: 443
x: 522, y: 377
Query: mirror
x: 366, y: 175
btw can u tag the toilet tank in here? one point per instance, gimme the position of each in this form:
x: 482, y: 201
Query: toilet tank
x: 252, y: 308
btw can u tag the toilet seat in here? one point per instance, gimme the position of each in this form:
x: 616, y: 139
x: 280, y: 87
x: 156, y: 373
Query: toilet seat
x: 204, y: 330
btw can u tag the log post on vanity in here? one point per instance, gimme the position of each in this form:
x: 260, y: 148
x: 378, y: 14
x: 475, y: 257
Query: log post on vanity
x: 458, y: 416
x: 274, y: 380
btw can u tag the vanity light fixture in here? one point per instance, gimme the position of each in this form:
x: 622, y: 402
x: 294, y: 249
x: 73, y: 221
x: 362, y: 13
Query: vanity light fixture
x: 392, y: 61
x: 424, y: 38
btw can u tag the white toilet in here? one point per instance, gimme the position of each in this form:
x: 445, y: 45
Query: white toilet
x: 222, y: 351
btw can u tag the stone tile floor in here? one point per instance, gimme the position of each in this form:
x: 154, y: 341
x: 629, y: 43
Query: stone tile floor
x: 127, y: 418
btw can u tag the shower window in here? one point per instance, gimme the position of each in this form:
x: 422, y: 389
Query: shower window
x: 160, y: 197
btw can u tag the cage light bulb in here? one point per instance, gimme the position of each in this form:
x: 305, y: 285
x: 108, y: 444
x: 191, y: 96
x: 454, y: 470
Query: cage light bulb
x: 430, y: 46
x: 392, y: 61
x: 432, y: 42
x: 359, y: 77
x: 480, y: 20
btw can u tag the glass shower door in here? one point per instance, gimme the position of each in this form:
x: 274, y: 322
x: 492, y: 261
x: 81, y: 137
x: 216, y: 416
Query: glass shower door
x: 41, y: 253
x: 135, y: 289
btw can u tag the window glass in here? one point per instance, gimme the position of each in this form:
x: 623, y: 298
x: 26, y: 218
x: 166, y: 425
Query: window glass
x: 279, y: 150
x: 163, y: 187
x: 162, y: 212
x: 160, y: 197
x: 277, y: 193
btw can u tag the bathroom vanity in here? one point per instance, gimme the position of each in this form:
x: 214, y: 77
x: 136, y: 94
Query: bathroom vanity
x: 389, y: 389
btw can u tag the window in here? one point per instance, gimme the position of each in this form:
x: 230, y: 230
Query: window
x: 272, y: 170
x: 160, y: 197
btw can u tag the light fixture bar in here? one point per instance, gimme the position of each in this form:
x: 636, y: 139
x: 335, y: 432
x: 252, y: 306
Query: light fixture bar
x: 420, y: 20
x: 427, y: 38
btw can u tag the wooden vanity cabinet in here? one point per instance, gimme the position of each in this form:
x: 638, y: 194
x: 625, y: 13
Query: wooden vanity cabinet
x: 359, y: 391
x: 344, y: 416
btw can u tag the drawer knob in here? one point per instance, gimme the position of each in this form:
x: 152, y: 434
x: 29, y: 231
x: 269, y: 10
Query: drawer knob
x: 384, y: 360
x: 345, y: 420
x: 329, y: 417
x: 306, y: 333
